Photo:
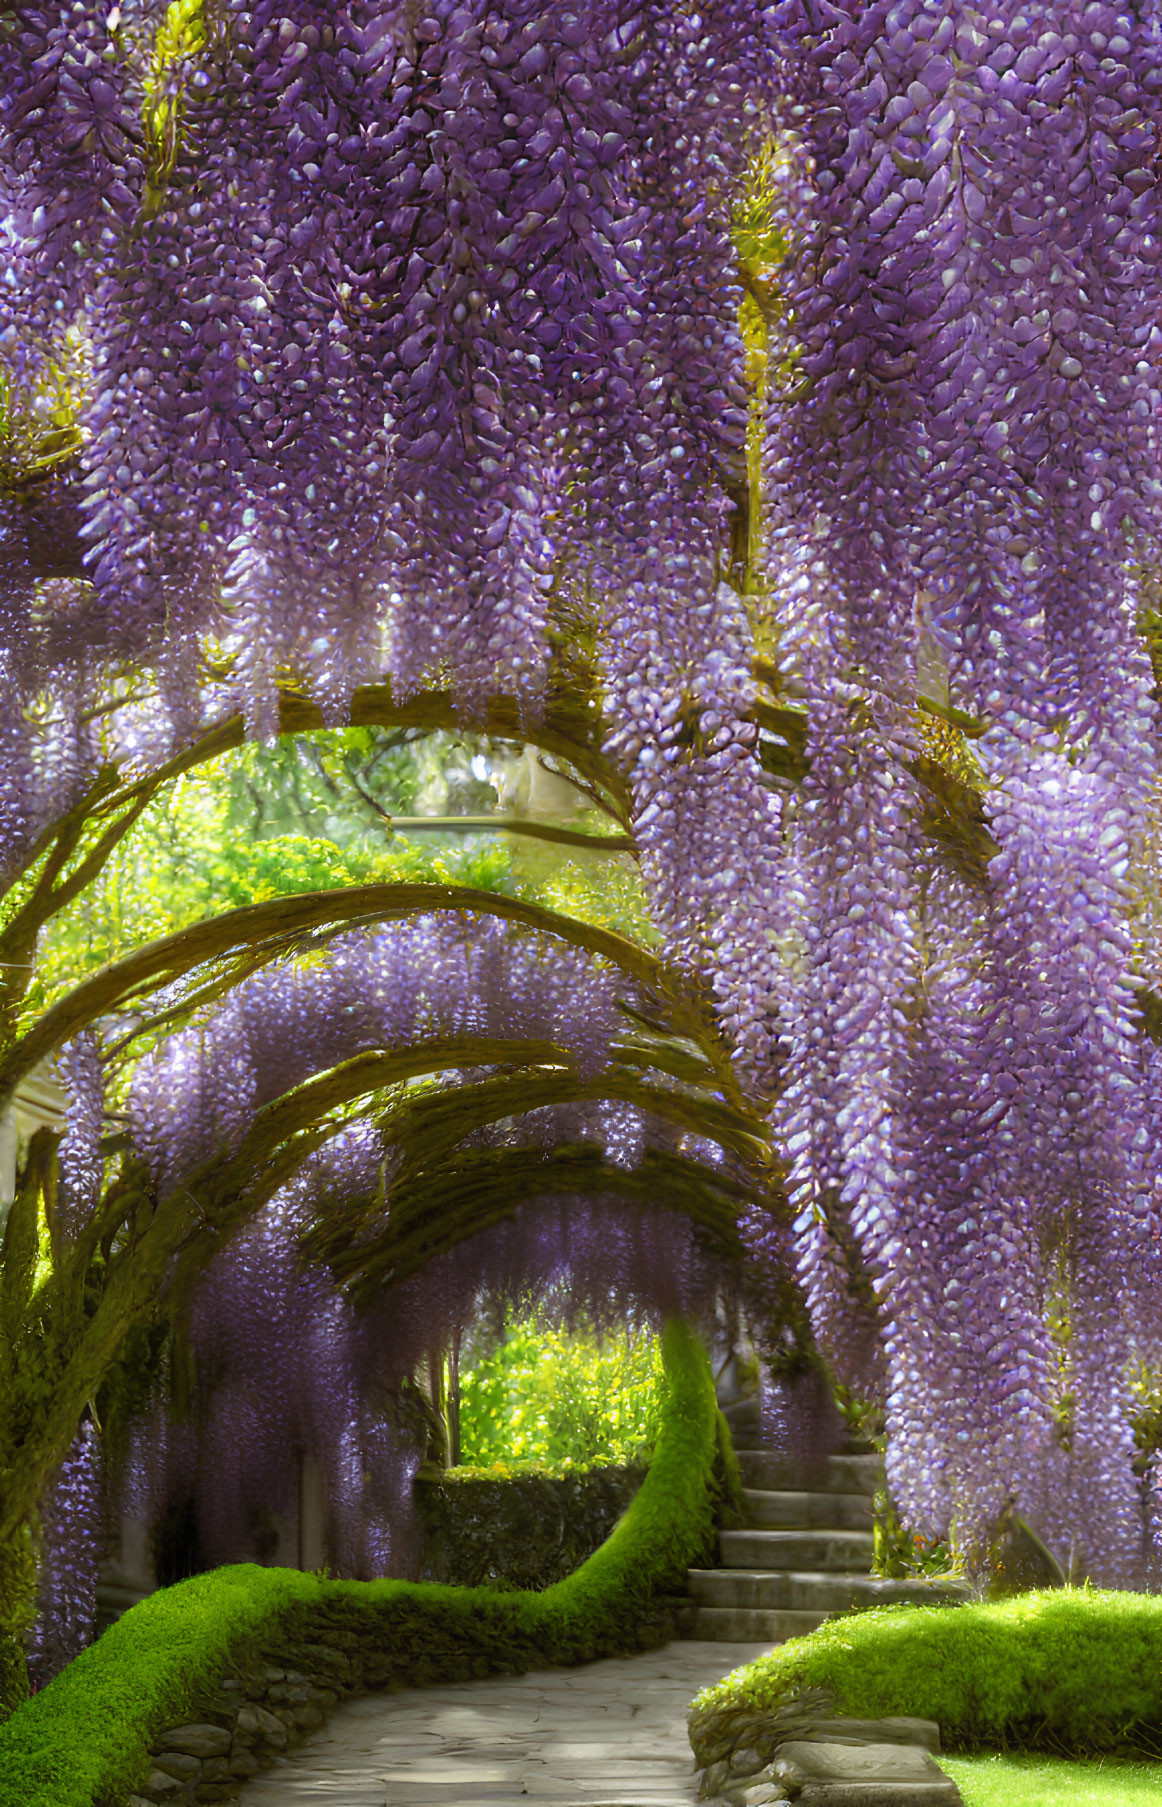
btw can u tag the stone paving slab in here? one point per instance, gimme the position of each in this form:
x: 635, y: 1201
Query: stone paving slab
x: 609, y: 1734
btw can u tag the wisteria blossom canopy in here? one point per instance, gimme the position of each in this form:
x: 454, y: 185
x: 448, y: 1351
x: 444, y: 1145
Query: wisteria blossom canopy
x: 400, y: 326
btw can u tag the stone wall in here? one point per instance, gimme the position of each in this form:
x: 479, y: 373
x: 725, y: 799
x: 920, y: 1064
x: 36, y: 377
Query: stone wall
x: 479, y: 1527
x: 513, y: 1529
x: 251, y: 1721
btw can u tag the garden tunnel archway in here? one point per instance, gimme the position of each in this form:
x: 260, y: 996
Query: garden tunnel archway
x: 306, y: 1119
x: 849, y: 570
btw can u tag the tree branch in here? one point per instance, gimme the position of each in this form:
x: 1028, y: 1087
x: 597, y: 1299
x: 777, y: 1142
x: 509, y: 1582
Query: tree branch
x: 431, y: 1212
x: 518, y: 825
x: 566, y: 730
x: 428, y: 1126
x: 271, y: 930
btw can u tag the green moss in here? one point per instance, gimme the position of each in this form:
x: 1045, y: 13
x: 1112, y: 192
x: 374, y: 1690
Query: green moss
x: 1069, y: 1669
x: 730, y: 1496
x: 84, y: 1741
x: 86, y: 1735
x: 18, y: 1589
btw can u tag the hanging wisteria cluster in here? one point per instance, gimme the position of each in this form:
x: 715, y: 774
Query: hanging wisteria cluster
x: 401, y: 323
x: 284, y: 1374
x: 287, y: 1372
x: 392, y: 318
x: 970, y: 436
x: 281, y: 1383
x: 434, y: 979
x: 71, y: 1536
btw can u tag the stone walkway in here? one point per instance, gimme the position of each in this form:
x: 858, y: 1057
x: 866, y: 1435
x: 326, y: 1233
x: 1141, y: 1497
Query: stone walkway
x: 609, y: 1734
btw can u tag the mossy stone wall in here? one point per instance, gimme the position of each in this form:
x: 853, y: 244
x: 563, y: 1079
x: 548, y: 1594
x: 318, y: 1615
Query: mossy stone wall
x: 87, y: 1739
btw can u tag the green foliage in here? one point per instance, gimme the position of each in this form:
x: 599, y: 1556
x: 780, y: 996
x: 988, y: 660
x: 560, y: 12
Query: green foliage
x: 186, y: 860
x: 732, y: 1509
x: 556, y: 1396
x: 85, y: 1738
x: 518, y: 1527
x: 1069, y: 1669
x: 18, y: 1592
x: 900, y: 1553
x: 605, y: 889
x: 313, y: 812
x: 180, y: 37
x: 38, y: 417
x: 345, y: 785
x: 864, y: 1418
x: 292, y: 864
x: 1146, y: 1417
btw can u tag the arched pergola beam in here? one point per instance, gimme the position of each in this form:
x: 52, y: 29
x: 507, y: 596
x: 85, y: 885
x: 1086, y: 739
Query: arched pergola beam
x: 243, y: 940
x: 426, y: 1126
x: 432, y: 1213
x: 152, y: 1242
x: 154, y: 1245
x: 565, y: 729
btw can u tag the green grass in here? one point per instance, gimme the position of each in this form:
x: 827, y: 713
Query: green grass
x: 84, y: 1739
x: 993, y: 1780
x: 1068, y: 1670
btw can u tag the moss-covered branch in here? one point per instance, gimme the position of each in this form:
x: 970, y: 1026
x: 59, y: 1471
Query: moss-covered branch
x: 433, y: 1211
x: 566, y: 729
x: 521, y: 826
x: 245, y: 939
x: 428, y: 1125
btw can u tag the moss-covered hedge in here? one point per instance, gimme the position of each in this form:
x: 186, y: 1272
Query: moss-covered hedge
x: 1068, y: 1669
x: 523, y: 1526
x: 84, y: 1740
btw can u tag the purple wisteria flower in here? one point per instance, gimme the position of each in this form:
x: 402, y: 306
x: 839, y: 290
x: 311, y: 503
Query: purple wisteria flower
x: 968, y: 436
x: 402, y: 323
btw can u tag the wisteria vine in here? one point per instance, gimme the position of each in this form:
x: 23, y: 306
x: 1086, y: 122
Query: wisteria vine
x: 287, y: 1369
x: 436, y: 978
x: 401, y: 327
x: 973, y: 426
x: 288, y: 1372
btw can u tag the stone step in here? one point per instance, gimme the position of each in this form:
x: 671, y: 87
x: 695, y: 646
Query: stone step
x: 828, y: 1511
x: 862, y: 1473
x: 808, y: 1590
x: 832, y: 1773
x: 743, y: 1415
x: 850, y: 1552
x: 764, y: 1470
x: 881, y: 1794
x: 746, y: 1624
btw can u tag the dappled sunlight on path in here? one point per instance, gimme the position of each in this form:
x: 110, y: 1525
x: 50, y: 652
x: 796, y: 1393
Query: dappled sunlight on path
x: 608, y: 1734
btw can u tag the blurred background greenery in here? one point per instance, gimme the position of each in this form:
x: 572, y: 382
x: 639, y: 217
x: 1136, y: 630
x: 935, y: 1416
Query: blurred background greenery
x: 560, y: 1395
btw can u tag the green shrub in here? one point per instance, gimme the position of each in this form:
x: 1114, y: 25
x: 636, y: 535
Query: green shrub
x: 1069, y: 1669
x: 86, y: 1735
x: 547, y: 1395
x: 517, y: 1527
x: 84, y: 1740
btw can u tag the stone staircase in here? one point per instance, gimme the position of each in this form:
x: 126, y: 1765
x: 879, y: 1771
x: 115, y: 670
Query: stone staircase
x: 806, y: 1555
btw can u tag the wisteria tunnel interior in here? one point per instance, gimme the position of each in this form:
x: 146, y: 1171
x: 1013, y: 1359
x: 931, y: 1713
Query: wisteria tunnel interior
x: 580, y: 857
